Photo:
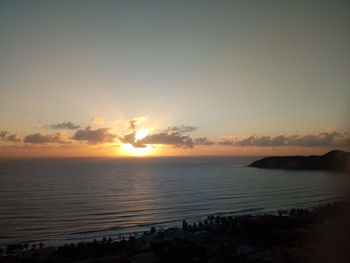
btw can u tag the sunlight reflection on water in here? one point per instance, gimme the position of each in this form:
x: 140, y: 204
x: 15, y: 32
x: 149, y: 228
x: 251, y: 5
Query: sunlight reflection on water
x: 54, y: 200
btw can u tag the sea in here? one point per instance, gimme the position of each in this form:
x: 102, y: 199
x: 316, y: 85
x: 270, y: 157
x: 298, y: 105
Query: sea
x: 65, y: 200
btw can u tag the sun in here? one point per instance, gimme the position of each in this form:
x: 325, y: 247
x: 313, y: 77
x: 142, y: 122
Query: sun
x: 140, y: 134
x: 129, y: 149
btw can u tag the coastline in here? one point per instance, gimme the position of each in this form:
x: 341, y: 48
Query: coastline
x: 244, y: 238
x: 137, y: 231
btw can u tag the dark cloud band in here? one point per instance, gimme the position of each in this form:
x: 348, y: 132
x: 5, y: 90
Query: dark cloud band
x: 89, y: 135
x: 62, y: 126
x: 325, y: 139
x: 46, y: 138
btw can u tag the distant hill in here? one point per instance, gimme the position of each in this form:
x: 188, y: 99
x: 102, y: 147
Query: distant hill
x: 332, y: 161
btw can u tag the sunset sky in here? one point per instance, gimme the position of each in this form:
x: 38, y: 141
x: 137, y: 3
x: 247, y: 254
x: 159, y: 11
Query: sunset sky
x: 160, y: 78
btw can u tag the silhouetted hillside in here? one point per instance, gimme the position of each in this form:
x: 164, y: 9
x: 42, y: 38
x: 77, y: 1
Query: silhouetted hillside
x: 334, y: 160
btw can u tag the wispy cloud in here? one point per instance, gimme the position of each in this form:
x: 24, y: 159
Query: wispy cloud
x: 62, y: 126
x: 14, y: 138
x: 182, y: 128
x: 9, y: 138
x: 89, y: 135
x: 3, y: 134
x: 39, y: 138
x: 133, y: 122
x: 96, y: 121
x: 203, y: 141
x: 327, y: 138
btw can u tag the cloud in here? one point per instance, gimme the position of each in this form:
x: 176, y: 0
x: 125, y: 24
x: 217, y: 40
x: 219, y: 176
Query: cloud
x: 203, y: 141
x: 58, y: 137
x: 182, y: 128
x: 62, y: 126
x: 176, y: 136
x: 325, y: 139
x: 132, y: 123
x: 96, y: 121
x: 166, y: 138
x: 9, y: 138
x: 95, y: 136
x: 3, y: 134
x: 13, y: 138
x: 128, y: 138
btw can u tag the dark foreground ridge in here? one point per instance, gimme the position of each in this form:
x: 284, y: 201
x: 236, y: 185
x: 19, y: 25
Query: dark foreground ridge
x: 332, y: 161
x: 320, y: 234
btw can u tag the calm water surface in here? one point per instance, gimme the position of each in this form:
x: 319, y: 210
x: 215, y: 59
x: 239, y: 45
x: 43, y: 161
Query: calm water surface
x: 60, y: 200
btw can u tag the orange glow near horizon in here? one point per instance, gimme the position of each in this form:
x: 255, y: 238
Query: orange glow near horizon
x: 129, y: 149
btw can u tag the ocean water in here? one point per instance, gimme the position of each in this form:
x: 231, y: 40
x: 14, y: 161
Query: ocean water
x: 69, y: 200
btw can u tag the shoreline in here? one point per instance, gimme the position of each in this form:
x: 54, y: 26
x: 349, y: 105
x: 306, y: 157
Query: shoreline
x: 176, y: 223
x: 241, y: 236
